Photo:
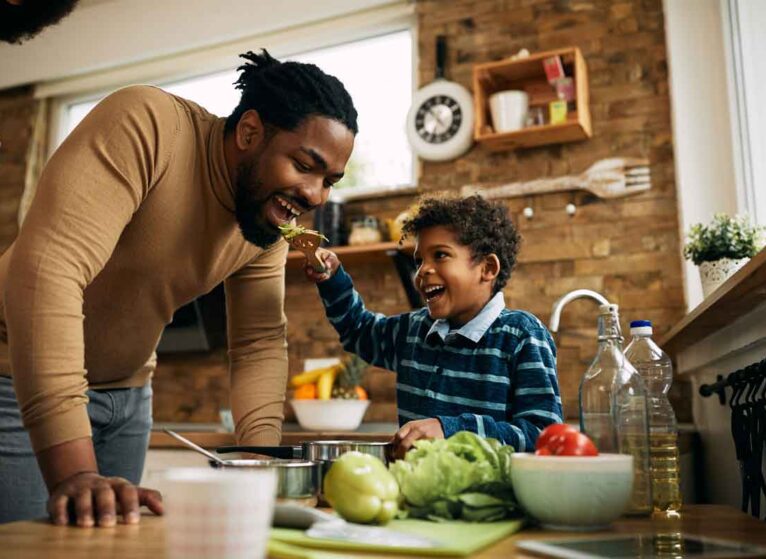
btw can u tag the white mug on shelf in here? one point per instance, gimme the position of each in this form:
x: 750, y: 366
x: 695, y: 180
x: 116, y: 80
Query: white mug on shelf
x: 509, y: 110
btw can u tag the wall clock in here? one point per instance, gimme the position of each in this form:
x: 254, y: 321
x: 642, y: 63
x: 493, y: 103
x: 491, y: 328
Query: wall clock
x: 440, y: 120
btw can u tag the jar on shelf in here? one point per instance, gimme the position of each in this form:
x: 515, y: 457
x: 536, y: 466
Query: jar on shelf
x: 364, y: 231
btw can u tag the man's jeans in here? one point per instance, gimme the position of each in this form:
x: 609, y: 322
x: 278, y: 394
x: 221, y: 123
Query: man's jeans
x: 121, y: 419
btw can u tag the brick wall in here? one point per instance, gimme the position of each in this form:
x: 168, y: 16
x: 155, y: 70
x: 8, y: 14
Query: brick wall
x: 17, y: 117
x: 627, y: 249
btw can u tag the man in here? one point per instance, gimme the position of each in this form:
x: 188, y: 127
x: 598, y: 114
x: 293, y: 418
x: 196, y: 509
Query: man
x: 23, y: 19
x: 149, y: 203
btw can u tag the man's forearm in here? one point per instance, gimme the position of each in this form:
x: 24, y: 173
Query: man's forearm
x: 61, y: 461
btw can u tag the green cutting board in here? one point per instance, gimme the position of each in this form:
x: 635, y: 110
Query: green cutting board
x: 456, y: 538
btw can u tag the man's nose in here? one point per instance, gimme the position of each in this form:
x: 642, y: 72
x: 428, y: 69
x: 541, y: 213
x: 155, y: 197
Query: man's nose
x: 313, y: 192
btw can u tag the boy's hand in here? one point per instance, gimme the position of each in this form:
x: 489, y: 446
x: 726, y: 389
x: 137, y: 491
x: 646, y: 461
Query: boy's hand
x: 411, y: 431
x: 331, y: 265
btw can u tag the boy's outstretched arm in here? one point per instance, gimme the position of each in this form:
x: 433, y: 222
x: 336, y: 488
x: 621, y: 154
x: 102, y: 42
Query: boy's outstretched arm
x: 534, y: 403
x: 371, y: 336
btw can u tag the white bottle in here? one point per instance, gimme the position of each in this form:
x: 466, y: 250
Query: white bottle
x: 656, y: 369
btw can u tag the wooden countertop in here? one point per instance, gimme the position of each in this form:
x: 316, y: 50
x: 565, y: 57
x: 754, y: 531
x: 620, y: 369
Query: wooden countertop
x: 34, y: 539
x: 741, y: 293
x: 212, y: 440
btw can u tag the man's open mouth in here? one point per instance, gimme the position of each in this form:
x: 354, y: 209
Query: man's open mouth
x: 281, y: 210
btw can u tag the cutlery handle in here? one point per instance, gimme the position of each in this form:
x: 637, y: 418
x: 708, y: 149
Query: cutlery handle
x: 286, y: 452
x: 315, y: 262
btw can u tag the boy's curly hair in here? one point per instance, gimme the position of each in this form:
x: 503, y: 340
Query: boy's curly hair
x: 482, y: 226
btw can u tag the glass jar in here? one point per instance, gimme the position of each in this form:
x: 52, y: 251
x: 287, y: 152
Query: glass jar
x: 364, y: 230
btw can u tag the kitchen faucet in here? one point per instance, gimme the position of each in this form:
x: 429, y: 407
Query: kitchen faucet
x: 558, y: 306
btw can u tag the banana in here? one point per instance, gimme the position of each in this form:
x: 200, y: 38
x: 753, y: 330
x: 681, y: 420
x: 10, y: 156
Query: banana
x: 325, y: 382
x: 310, y: 376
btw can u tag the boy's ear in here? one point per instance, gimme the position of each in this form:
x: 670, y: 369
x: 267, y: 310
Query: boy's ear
x: 490, y: 268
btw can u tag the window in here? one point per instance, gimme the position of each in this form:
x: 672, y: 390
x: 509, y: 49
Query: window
x: 743, y: 24
x: 378, y: 74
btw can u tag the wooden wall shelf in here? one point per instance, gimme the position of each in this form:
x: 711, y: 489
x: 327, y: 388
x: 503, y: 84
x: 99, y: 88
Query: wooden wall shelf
x: 528, y: 74
x: 738, y: 295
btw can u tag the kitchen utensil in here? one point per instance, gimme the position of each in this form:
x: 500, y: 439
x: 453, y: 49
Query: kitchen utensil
x: 322, y: 453
x: 308, y: 243
x: 329, y: 415
x: 439, y: 123
x: 597, y: 489
x: 297, y: 480
x: 194, y: 446
x: 318, y: 451
x: 608, y: 178
x: 326, y: 526
x: 450, y: 539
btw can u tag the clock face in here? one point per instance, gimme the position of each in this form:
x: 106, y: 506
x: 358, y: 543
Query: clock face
x: 438, y: 119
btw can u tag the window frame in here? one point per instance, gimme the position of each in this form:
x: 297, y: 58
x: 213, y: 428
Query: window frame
x: 217, y: 58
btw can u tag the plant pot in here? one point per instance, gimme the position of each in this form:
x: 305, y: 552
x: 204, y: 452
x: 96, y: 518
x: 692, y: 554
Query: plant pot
x: 716, y: 272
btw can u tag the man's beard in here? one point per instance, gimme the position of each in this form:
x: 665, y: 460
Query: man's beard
x: 248, y: 209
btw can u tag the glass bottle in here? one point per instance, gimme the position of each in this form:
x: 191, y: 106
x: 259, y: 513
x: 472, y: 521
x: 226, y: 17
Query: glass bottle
x: 656, y: 370
x: 613, y: 406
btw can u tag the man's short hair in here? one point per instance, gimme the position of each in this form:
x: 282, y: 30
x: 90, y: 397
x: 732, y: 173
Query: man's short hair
x: 21, y: 22
x: 286, y: 93
x: 482, y: 226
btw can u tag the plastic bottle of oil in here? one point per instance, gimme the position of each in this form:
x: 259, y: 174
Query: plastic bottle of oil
x: 656, y: 369
x: 613, y: 407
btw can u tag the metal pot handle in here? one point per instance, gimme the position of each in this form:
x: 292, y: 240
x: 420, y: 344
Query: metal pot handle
x: 284, y: 452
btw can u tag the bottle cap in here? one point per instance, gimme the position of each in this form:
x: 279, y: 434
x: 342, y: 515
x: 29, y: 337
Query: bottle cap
x: 641, y: 327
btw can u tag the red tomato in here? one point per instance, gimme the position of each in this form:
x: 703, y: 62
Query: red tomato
x: 544, y: 451
x: 551, y: 432
x: 573, y: 444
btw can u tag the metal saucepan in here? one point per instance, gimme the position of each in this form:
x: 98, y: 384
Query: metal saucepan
x: 323, y: 453
x: 318, y: 451
x: 298, y: 481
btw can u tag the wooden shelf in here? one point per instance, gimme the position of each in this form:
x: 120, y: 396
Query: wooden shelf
x: 528, y: 74
x: 357, y: 254
x: 741, y: 293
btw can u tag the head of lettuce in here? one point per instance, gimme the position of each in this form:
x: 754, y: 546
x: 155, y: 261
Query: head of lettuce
x: 464, y: 477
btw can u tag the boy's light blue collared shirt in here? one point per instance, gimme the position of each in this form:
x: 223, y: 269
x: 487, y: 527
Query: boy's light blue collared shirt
x: 475, y: 328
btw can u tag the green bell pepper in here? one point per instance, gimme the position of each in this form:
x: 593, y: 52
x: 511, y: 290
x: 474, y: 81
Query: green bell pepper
x: 360, y: 489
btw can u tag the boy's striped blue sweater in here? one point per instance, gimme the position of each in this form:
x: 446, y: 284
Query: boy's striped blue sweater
x: 495, y: 376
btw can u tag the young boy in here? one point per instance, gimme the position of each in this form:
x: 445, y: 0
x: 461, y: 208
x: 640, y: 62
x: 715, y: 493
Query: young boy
x: 464, y: 362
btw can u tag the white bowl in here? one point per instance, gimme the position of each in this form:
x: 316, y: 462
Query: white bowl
x: 573, y: 492
x: 329, y: 415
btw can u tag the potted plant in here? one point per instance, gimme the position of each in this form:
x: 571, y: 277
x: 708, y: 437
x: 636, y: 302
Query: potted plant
x: 721, y: 248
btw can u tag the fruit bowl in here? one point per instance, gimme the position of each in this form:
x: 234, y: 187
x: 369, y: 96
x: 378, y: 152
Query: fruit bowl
x: 573, y: 492
x: 329, y: 415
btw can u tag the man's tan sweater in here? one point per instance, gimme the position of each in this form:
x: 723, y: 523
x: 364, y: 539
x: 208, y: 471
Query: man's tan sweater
x: 133, y: 218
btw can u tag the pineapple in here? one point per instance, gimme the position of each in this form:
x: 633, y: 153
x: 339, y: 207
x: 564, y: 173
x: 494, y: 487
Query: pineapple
x: 349, y: 378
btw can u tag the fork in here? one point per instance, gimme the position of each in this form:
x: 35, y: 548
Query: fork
x: 308, y: 243
x: 608, y: 178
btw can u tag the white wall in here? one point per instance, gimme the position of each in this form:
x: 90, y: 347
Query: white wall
x: 111, y: 33
x: 702, y: 137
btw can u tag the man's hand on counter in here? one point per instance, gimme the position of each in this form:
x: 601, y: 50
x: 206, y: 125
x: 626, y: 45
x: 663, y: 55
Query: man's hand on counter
x: 89, y: 498
x: 80, y: 495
